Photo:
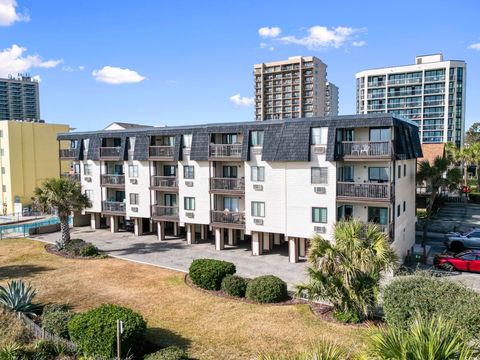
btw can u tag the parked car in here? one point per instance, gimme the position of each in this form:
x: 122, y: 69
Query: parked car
x: 465, y: 261
x: 129, y: 225
x: 457, y: 242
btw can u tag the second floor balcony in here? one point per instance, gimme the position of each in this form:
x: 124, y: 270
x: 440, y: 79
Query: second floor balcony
x: 232, y: 218
x: 364, y: 191
x: 363, y: 150
x: 68, y: 154
x: 114, y: 207
x: 110, y: 153
x: 225, y: 151
x: 227, y: 185
x: 112, y: 180
x: 164, y: 182
x: 163, y: 152
x: 162, y: 212
x: 71, y: 176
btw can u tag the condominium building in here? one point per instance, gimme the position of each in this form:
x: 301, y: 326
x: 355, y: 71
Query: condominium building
x: 19, y: 99
x: 431, y: 93
x: 266, y: 184
x: 293, y: 88
x: 28, y: 156
x: 331, y: 99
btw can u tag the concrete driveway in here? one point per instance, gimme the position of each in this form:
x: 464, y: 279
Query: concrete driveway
x: 176, y: 254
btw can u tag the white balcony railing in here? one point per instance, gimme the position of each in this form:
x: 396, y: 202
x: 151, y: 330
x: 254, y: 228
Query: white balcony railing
x: 164, y: 181
x: 167, y: 212
x: 228, y: 184
x: 112, y: 179
x: 225, y: 150
x: 112, y: 152
x: 228, y: 217
x: 375, y: 191
x: 365, y: 148
x: 113, y: 206
x: 164, y: 152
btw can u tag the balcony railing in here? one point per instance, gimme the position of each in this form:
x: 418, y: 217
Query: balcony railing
x: 112, y: 152
x: 226, y: 151
x: 228, y: 217
x: 73, y: 177
x: 113, y: 206
x: 227, y: 184
x: 166, y: 212
x: 375, y: 191
x: 164, y: 182
x: 161, y: 152
x: 111, y: 179
x: 365, y: 149
x: 68, y: 153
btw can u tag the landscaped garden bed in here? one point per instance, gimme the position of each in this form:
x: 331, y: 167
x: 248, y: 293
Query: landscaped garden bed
x: 75, y: 249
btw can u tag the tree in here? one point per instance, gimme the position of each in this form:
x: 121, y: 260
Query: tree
x: 475, y: 153
x: 473, y: 134
x: 65, y: 196
x: 347, y: 272
x: 461, y: 156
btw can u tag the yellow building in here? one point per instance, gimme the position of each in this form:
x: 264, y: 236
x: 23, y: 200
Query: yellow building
x: 28, y: 156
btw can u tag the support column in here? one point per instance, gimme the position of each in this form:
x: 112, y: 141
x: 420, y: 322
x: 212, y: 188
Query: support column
x: 175, y: 229
x: 242, y: 235
x: 266, y: 241
x: 188, y: 228
x: 161, y: 230
x: 292, y: 249
x: 203, y: 232
x: 95, y: 221
x: 256, y: 244
x: 230, y: 239
x: 138, y: 226
x: 219, y: 239
x: 303, y: 247
x: 113, y: 224
x: 276, y: 239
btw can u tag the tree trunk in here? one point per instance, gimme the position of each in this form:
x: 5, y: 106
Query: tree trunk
x: 64, y: 229
x: 465, y: 174
x: 478, y: 176
x: 429, y: 214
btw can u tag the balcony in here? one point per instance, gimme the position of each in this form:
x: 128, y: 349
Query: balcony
x: 227, y: 185
x: 229, y: 218
x: 161, y: 152
x: 225, y: 151
x: 168, y: 183
x: 68, y: 154
x: 364, y: 191
x: 112, y: 180
x: 110, y: 153
x: 161, y: 212
x: 73, y: 177
x: 376, y: 84
x: 434, y: 78
x: 363, y: 150
x: 114, y: 207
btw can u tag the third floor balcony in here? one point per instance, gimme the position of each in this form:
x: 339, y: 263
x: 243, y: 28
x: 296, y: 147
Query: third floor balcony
x: 68, y: 154
x: 168, y: 183
x: 225, y: 151
x: 161, y: 212
x: 163, y: 152
x: 111, y: 153
x: 227, y: 185
x: 368, y: 191
x: 364, y: 150
x: 234, y: 219
x: 113, y: 180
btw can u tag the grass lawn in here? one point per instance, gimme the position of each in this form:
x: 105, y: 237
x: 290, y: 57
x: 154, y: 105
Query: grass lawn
x: 207, y: 326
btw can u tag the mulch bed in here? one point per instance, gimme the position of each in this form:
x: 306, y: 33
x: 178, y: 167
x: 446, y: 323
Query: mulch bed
x: 52, y: 250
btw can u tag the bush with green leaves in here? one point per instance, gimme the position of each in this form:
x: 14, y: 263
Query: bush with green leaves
x: 426, y: 296
x: 18, y: 296
x: 208, y: 273
x: 78, y: 247
x: 267, y: 289
x: 234, y: 285
x: 321, y: 350
x: 55, y: 319
x: 46, y: 350
x: 89, y: 250
x: 168, y: 353
x: 13, y: 351
x: 94, y: 332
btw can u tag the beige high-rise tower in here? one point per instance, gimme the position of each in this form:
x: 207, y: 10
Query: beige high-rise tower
x: 292, y: 88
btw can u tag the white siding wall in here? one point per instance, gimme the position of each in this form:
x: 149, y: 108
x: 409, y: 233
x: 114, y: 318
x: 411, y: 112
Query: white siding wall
x: 93, y: 185
x: 141, y: 188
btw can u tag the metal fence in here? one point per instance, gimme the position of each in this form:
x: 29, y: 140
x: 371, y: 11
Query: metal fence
x: 25, y: 229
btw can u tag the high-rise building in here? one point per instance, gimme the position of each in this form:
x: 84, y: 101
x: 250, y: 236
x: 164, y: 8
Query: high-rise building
x: 431, y: 93
x: 19, y: 99
x: 331, y: 99
x: 292, y: 88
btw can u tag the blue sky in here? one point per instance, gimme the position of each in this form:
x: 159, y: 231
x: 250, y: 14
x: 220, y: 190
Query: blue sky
x: 188, y: 58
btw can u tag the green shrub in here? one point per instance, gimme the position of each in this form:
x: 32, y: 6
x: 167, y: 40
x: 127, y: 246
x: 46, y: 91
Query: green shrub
x: 346, y: 317
x: 18, y: 296
x: 45, y: 350
x: 94, y: 331
x: 267, y: 289
x: 55, y: 319
x: 89, y: 250
x: 13, y: 351
x: 74, y: 246
x: 426, y: 296
x: 168, y: 353
x: 474, y: 197
x: 234, y: 285
x: 208, y: 273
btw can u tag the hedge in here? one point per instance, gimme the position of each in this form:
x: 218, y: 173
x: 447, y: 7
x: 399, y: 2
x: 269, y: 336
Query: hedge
x: 234, y: 285
x: 55, y: 319
x: 168, y: 353
x: 427, y: 296
x: 95, y: 331
x: 208, y: 273
x: 267, y: 289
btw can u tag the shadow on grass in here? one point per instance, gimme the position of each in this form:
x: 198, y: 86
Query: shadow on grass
x: 158, y: 338
x: 21, y: 271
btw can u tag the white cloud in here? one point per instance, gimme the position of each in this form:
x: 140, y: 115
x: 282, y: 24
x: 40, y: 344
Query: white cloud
x: 9, y: 14
x: 359, y: 43
x: 266, y: 32
x: 266, y: 46
x: 475, y: 46
x: 321, y: 37
x: 68, y: 69
x: 37, y: 78
x: 81, y: 68
x: 13, y: 61
x: 242, y: 100
x: 116, y: 75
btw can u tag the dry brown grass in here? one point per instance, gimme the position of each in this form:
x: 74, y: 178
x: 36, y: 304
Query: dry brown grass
x: 209, y: 327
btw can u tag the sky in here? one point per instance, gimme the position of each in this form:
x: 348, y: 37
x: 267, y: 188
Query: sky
x: 189, y: 62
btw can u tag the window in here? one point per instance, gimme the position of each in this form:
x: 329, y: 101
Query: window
x: 377, y: 174
x: 229, y: 139
x: 399, y: 168
x: 89, y: 194
x: 319, y: 215
x: 1, y: 133
x: 189, y: 203
x: 3, y: 170
x: 187, y: 140
x: 169, y: 170
x: 404, y: 169
x: 380, y: 134
x: 319, y: 136
x: 87, y: 169
x: 134, y: 199
x: 404, y: 206
x: 4, y: 188
x: 319, y: 175
x: 398, y: 210
x: 189, y: 172
x: 345, y: 173
x: 257, y: 138
x: 258, y: 173
x: 345, y: 212
x: 133, y: 171
x: 230, y: 172
x: 231, y: 203
x: 468, y: 256
x: 258, y: 209
x: 2, y: 152
x: 378, y: 215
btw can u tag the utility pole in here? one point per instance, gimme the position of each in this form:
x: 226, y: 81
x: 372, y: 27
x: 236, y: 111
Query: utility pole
x: 119, y: 333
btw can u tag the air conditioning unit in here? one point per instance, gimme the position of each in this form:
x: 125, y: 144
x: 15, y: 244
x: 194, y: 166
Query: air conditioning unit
x: 320, y: 190
x: 189, y: 183
x: 133, y: 181
x: 258, y: 187
x: 88, y: 179
x: 258, y: 221
x: 190, y: 215
x: 134, y: 209
x: 319, y: 149
x: 320, y: 229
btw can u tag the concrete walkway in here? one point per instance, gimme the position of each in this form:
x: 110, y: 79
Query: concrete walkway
x: 176, y: 254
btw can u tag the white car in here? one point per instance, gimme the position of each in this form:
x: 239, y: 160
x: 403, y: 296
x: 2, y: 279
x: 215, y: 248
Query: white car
x: 457, y: 241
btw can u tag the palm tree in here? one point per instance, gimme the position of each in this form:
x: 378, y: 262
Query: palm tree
x: 475, y: 153
x: 462, y: 156
x: 347, y: 272
x: 65, y: 196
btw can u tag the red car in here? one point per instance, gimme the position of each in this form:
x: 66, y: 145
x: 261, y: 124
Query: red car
x: 465, y: 261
